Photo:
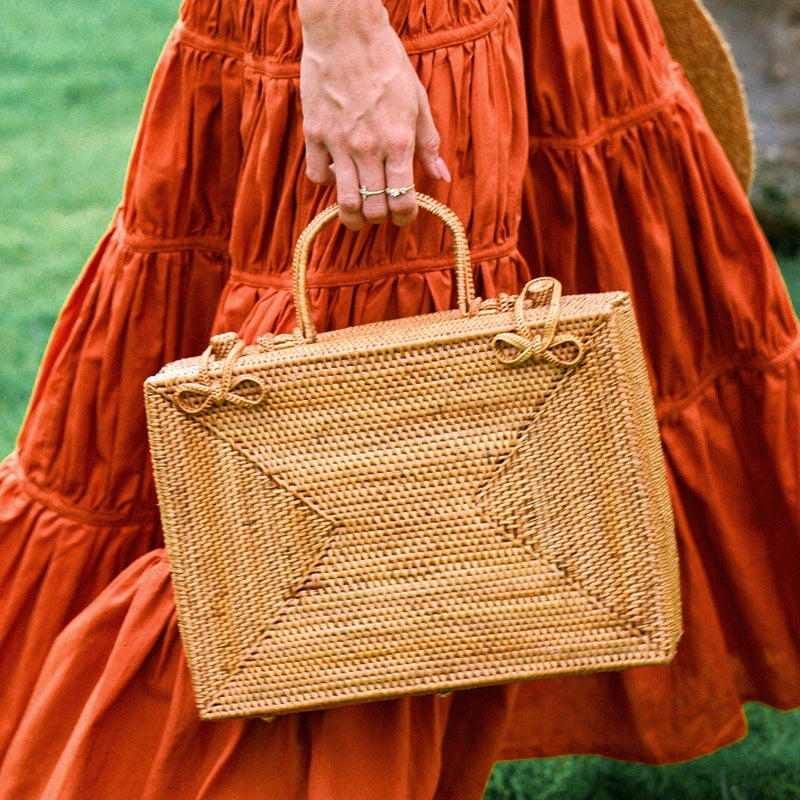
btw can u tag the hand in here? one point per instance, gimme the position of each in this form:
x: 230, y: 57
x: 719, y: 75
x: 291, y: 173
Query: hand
x: 364, y: 109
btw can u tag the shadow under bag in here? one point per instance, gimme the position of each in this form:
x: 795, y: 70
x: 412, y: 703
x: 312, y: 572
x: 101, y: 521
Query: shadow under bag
x: 462, y: 498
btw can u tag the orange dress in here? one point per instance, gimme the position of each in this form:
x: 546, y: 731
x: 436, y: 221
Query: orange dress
x: 578, y: 151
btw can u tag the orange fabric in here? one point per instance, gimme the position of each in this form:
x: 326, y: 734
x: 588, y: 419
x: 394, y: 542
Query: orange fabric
x: 578, y: 151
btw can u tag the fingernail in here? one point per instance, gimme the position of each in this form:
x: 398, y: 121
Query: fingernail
x: 442, y: 169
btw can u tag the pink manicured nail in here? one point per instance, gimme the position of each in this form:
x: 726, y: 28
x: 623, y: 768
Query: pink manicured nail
x: 443, y: 171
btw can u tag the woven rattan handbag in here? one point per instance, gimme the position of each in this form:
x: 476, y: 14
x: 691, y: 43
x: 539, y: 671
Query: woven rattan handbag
x: 462, y: 498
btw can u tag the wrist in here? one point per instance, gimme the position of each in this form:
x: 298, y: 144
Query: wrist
x: 327, y: 22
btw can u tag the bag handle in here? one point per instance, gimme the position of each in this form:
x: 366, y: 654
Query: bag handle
x: 466, y: 290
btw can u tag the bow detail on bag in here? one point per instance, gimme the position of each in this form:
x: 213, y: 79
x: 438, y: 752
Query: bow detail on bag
x: 244, y: 390
x: 539, y: 347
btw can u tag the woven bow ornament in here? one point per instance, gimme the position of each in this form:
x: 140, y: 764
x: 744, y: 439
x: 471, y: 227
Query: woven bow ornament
x: 539, y: 347
x: 244, y: 390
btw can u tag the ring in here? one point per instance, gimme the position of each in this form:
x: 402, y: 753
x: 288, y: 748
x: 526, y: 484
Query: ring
x: 365, y: 193
x: 399, y: 191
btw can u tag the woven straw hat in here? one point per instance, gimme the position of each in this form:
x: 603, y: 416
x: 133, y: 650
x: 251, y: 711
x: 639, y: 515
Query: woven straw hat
x: 696, y: 43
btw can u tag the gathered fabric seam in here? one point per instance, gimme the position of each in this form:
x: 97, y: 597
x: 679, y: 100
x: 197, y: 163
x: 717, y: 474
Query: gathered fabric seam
x: 671, y: 409
x: 199, y: 41
x: 320, y: 280
x: 414, y: 45
x: 613, y: 125
x: 94, y: 518
x: 138, y: 242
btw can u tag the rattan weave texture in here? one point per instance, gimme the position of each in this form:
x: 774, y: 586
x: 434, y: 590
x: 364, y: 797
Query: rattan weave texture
x: 462, y: 498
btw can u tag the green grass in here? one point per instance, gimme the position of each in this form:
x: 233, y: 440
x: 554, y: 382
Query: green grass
x: 790, y: 266
x: 765, y: 765
x: 72, y: 80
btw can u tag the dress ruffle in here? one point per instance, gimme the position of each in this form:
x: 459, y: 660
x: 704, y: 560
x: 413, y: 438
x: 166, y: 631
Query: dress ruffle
x: 579, y: 152
x: 53, y: 565
x: 130, y: 723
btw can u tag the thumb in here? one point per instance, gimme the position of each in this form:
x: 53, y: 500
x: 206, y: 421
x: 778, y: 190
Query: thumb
x: 427, y: 141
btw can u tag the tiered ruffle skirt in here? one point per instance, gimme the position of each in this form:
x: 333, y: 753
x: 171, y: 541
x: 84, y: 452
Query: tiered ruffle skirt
x: 578, y: 151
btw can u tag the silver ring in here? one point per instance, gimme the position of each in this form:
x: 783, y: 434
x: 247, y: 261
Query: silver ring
x: 399, y: 191
x: 365, y: 193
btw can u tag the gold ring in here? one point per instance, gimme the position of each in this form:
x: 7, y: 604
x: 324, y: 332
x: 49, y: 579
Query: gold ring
x: 365, y: 193
x: 399, y: 191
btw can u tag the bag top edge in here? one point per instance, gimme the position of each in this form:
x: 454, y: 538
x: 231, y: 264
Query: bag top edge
x: 433, y: 328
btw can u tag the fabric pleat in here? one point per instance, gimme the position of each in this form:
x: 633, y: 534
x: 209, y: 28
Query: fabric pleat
x: 577, y: 150
x: 136, y: 679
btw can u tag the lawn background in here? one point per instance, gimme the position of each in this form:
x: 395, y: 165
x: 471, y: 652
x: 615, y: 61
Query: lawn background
x: 72, y: 80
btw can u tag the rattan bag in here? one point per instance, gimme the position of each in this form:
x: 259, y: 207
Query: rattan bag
x: 462, y: 498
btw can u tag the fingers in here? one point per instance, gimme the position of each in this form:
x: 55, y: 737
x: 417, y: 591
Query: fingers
x: 400, y: 175
x: 389, y: 190
x: 373, y: 207
x: 348, y: 195
x: 386, y: 174
x: 318, y: 167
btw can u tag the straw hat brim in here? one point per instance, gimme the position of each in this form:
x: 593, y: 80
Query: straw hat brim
x: 696, y: 43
